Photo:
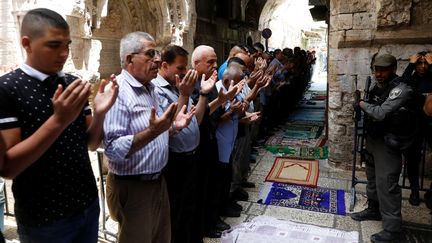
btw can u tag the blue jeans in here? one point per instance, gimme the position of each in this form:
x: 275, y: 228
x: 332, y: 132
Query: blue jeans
x: 79, y: 228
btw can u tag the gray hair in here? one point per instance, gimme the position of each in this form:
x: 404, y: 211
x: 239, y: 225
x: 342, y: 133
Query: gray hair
x: 230, y: 73
x: 198, y: 52
x: 131, y: 43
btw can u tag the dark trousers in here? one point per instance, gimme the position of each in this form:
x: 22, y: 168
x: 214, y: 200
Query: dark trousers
x: 202, y: 207
x: 383, y: 169
x: 82, y: 227
x: 413, y: 160
x: 203, y: 219
x: 180, y: 174
x: 222, y: 185
x: 241, y: 158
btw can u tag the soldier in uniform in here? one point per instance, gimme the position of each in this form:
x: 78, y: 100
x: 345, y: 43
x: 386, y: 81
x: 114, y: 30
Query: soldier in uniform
x: 388, y: 134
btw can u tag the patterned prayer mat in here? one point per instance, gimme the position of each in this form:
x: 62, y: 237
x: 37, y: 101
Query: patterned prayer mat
x: 323, y: 200
x: 268, y: 229
x: 294, y: 171
x: 319, y: 97
x: 281, y: 141
x: 303, y: 131
x: 299, y: 152
x: 308, y: 115
x: 291, y: 123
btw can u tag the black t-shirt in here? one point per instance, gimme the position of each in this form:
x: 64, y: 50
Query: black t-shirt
x: 61, y: 182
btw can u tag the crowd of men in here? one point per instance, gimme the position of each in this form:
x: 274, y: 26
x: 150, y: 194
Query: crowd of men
x: 178, y: 140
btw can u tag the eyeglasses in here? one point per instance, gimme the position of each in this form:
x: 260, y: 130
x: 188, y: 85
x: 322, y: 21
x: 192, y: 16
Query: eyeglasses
x: 150, y: 53
x: 422, y: 63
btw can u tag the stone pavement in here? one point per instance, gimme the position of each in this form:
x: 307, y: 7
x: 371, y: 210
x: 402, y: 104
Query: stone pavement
x: 329, y: 177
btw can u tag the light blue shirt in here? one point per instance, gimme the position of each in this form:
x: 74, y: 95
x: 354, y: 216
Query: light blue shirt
x: 128, y: 116
x: 189, y: 137
x: 221, y: 69
x: 226, y: 132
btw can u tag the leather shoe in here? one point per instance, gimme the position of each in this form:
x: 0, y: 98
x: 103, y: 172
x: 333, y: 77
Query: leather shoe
x: 385, y: 236
x: 367, y: 214
x: 240, y: 194
x: 221, y: 225
x: 213, y: 234
x: 236, y: 206
x: 414, y: 198
x: 247, y: 184
x: 231, y: 212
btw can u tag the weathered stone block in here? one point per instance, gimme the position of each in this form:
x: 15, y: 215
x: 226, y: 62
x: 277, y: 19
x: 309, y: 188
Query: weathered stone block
x: 341, y: 22
x: 333, y: 81
x: 341, y: 7
x: 358, y: 35
x: 336, y: 131
x: 335, y: 100
x: 340, y: 152
x: 348, y: 83
x: 364, y: 20
x: 393, y: 13
x: 336, y: 37
x: 361, y: 82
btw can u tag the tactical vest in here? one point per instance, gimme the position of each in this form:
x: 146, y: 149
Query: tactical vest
x: 398, y: 128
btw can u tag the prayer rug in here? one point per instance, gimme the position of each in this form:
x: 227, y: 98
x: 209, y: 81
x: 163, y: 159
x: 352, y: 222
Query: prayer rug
x: 269, y: 229
x: 308, y: 115
x: 290, y: 123
x: 319, y: 97
x: 294, y: 171
x: 281, y: 141
x: 323, y: 200
x: 299, y: 152
x: 303, y: 132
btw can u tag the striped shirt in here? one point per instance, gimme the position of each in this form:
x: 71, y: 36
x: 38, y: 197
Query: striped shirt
x: 130, y: 115
x: 189, y: 137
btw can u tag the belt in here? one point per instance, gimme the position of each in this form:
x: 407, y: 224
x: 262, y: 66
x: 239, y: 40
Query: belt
x: 140, y: 177
x: 185, y: 153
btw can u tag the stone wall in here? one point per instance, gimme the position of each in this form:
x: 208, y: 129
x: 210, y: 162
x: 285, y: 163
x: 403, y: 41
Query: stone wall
x: 8, y: 44
x: 97, y: 27
x: 359, y: 30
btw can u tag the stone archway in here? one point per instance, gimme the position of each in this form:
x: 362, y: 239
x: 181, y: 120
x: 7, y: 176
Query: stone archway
x: 163, y: 19
x: 288, y: 20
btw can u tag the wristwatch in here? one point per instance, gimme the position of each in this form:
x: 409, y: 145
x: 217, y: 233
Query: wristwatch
x: 203, y: 94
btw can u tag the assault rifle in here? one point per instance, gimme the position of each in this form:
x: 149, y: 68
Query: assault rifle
x: 359, y: 140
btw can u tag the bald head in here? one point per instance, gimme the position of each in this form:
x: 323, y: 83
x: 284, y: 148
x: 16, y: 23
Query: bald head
x: 232, y: 73
x: 36, y: 21
x: 204, y: 60
x: 199, y: 52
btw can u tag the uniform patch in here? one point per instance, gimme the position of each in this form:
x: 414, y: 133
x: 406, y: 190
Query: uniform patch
x: 394, y: 93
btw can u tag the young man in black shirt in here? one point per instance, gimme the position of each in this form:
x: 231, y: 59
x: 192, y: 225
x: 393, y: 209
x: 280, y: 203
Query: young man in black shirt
x: 46, y: 123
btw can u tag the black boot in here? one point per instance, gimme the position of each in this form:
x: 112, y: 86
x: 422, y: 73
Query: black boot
x: 428, y: 197
x: 370, y: 213
x: 414, y: 198
x: 385, y: 236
